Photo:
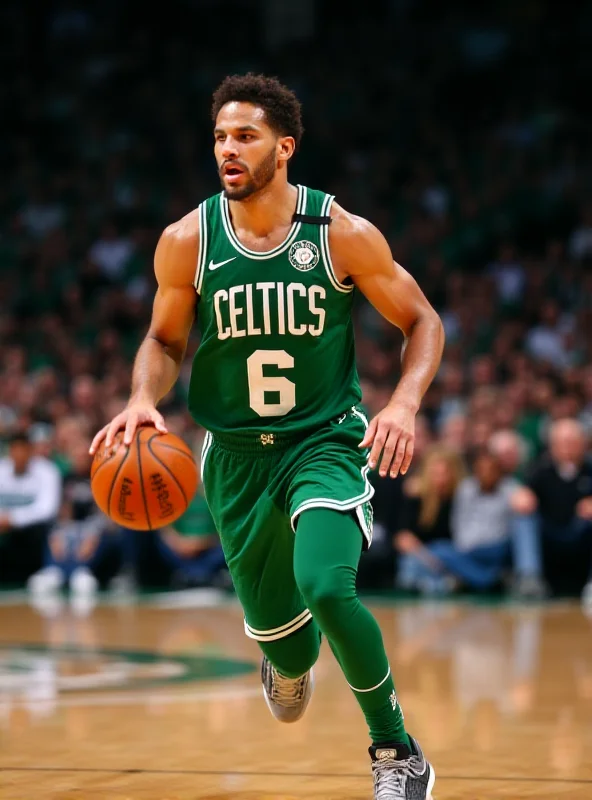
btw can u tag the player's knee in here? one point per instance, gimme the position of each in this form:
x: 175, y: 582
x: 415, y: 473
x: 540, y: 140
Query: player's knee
x: 295, y: 654
x: 327, y: 592
x: 293, y: 665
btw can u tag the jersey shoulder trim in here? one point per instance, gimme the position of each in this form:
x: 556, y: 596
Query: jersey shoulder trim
x: 203, y: 247
x: 326, y: 211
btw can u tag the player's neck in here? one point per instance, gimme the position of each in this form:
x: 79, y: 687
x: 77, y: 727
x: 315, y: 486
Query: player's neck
x: 268, y: 209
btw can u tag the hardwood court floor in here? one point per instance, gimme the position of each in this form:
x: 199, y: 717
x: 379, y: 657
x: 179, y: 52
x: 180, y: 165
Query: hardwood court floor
x: 137, y: 702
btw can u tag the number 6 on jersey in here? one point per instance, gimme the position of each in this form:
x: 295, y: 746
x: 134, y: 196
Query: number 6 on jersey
x: 259, y: 383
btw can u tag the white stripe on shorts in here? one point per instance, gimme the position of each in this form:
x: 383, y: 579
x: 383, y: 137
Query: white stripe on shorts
x: 273, y: 634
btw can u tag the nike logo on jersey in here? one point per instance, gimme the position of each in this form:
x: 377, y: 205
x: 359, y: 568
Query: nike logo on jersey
x: 211, y: 265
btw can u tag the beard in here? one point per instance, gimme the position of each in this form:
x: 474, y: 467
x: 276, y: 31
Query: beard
x: 263, y: 174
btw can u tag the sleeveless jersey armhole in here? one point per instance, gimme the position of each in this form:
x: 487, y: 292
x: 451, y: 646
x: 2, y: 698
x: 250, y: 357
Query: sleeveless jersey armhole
x: 203, y: 248
x: 326, y: 253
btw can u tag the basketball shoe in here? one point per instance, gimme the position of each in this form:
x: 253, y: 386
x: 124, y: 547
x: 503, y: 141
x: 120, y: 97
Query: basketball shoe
x: 401, y: 773
x: 287, y: 698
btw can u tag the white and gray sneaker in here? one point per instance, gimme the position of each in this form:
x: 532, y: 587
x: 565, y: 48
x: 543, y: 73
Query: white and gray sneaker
x: 287, y: 698
x: 401, y: 773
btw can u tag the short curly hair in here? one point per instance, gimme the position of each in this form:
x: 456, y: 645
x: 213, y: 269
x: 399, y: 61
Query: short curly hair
x: 282, y: 108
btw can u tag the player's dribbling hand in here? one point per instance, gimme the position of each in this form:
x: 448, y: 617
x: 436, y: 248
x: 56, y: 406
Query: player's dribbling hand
x: 138, y: 413
x: 392, y: 433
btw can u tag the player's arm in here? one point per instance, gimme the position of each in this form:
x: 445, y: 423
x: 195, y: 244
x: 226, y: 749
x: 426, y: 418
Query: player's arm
x: 360, y: 252
x: 159, y: 357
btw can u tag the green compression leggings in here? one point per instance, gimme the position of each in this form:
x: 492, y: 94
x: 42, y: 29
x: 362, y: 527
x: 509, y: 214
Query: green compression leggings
x: 326, y: 554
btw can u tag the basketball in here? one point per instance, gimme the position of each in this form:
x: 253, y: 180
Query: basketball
x: 147, y: 485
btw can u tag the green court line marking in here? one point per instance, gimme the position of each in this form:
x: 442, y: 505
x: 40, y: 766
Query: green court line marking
x: 195, y: 668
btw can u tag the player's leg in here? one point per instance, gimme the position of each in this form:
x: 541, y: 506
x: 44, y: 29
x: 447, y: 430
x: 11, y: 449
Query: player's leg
x: 276, y: 616
x: 327, y: 552
x: 330, y: 511
x: 326, y: 555
x: 328, y: 501
x: 258, y: 546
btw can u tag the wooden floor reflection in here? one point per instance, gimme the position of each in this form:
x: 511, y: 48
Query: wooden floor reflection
x: 147, y: 703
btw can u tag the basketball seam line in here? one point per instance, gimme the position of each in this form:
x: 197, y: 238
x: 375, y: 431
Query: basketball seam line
x: 117, y: 471
x: 176, y: 449
x: 160, y: 461
x: 100, y: 467
x: 138, y: 446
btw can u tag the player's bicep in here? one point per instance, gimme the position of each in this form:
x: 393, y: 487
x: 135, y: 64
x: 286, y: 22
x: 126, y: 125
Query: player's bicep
x: 175, y: 301
x: 173, y: 314
x: 394, y: 293
x: 365, y: 256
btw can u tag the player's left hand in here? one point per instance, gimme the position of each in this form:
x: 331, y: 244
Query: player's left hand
x: 392, y: 433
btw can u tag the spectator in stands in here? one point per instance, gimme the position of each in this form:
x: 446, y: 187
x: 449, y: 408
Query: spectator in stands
x: 426, y: 513
x: 554, y: 516
x: 30, y: 492
x: 510, y: 450
x: 508, y: 275
x: 481, y: 525
x: 191, y: 547
x: 503, y: 254
x: 580, y: 241
x: 111, y: 252
x: 378, y: 562
x: 480, y: 549
x: 548, y: 341
x: 454, y: 433
x: 82, y: 538
x: 454, y: 401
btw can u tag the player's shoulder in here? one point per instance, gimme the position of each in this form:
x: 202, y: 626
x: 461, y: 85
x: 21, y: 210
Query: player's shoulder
x: 346, y: 222
x: 355, y: 242
x: 347, y: 227
x: 177, y: 251
x: 184, y: 230
x: 180, y: 238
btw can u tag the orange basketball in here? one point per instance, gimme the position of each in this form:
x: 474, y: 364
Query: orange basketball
x: 147, y: 485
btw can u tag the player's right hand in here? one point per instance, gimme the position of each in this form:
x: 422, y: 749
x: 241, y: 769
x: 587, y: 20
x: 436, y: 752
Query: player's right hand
x: 139, y: 413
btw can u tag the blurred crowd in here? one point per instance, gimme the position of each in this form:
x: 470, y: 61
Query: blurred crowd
x: 469, y: 150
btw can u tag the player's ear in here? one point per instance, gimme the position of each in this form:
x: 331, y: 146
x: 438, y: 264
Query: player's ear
x: 285, y: 148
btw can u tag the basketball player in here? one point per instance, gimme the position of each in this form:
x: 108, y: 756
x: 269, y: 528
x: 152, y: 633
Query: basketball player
x: 270, y: 270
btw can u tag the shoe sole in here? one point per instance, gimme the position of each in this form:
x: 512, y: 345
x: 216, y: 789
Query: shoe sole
x: 305, y: 706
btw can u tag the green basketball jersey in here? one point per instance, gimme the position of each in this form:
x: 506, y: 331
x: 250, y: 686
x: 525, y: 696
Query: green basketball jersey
x: 277, y: 347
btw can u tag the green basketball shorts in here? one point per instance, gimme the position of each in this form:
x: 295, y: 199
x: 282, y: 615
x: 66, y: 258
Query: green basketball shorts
x: 256, y: 488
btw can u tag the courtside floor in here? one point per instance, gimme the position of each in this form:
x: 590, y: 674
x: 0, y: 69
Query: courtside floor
x: 159, y: 699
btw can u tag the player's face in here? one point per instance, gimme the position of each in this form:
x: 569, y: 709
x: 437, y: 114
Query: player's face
x: 247, y: 151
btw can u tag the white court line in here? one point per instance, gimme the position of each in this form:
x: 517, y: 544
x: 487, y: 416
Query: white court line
x: 147, y: 698
x: 187, y: 598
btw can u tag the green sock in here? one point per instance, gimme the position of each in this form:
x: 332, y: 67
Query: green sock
x: 326, y: 555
